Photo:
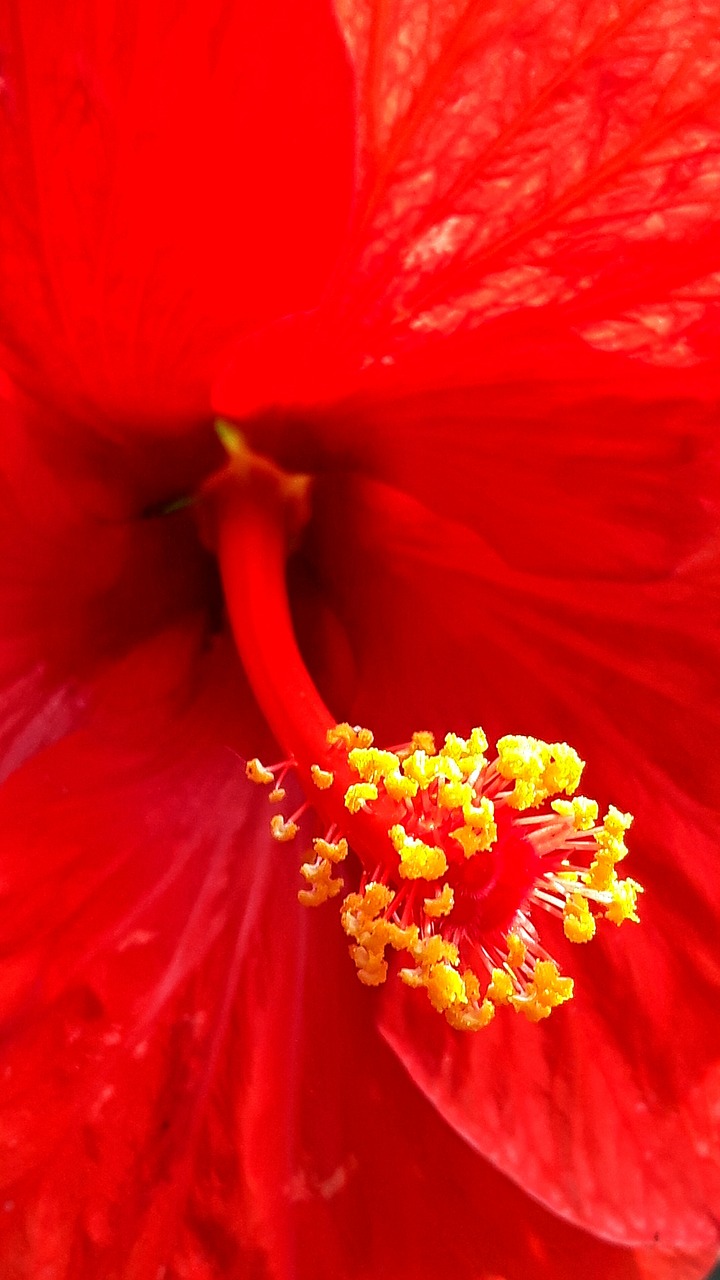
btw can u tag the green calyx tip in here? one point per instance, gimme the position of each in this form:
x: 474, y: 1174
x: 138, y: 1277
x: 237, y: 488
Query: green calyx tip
x: 230, y: 437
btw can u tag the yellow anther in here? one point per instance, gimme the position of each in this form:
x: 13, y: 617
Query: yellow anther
x: 601, y: 875
x: 402, y: 939
x: 468, y: 753
x: 358, y: 794
x: 624, y: 902
x: 470, y: 1017
x: 611, y: 848
x: 481, y: 817
x: 400, y: 788
x: 277, y: 793
x: 372, y: 765
x: 435, y: 950
x: 584, y: 812
x: 256, y: 772
x: 516, y: 951
x: 455, y: 795
x: 418, y: 861
x: 544, y: 993
x: 444, y: 986
x: 372, y: 968
x: 617, y: 823
x: 334, y: 852
x: 359, y: 908
x: 349, y: 736
x: 322, y: 778
x: 412, y: 977
x: 322, y: 886
x: 538, y: 769
x: 477, y: 742
x: 282, y: 831
x: 442, y: 905
x: 455, y: 746
x: 578, y: 920
x: 423, y: 741
x: 501, y: 987
x: 420, y: 767
x: 472, y: 842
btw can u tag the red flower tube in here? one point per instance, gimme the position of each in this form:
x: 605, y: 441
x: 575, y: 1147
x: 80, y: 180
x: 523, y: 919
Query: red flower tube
x: 455, y: 266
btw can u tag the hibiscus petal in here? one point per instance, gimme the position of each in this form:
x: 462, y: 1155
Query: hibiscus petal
x: 537, y: 186
x: 519, y: 155
x: 169, y: 177
x: 128, y: 909
x: 353, y: 1174
x: 447, y: 634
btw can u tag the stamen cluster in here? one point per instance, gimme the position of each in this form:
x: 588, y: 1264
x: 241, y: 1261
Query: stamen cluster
x: 459, y: 853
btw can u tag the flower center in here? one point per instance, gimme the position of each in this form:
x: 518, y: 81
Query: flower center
x: 459, y: 852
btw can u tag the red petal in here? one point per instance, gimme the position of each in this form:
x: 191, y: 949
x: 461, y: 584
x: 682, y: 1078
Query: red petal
x: 447, y: 634
x: 352, y: 1173
x: 535, y: 155
x: 539, y: 176
x: 128, y: 907
x: 170, y: 177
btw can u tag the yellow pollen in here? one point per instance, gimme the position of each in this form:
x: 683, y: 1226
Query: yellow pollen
x: 455, y: 786
x: 282, y: 831
x: 617, y: 823
x: 334, y: 852
x: 578, y: 920
x: 256, y: 772
x: 420, y: 768
x: 444, y: 986
x: 455, y: 795
x: 358, y: 794
x: 470, y: 1017
x: 516, y: 951
x: 403, y: 939
x: 584, y: 812
x: 322, y: 885
x: 348, y: 736
x: 472, y: 842
x: 624, y: 902
x: 441, y: 905
x: 468, y: 754
x: 277, y: 793
x: 372, y: 765
x: 363, y: 920
x: 544, y: 993
x: 400, y: 788
x: 601, y: 875
x: 418, y: 861
x: 538, y: 769
x: 481, y: 818
x: 501, y: 987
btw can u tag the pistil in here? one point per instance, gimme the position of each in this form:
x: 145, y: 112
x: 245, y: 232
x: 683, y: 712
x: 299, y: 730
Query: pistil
x: 457, y: 850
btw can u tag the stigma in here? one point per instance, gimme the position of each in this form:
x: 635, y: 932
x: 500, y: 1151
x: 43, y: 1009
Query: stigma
x: 455, y: 858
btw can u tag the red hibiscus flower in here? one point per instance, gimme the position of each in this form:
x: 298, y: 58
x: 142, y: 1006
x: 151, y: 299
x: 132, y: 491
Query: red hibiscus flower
x: 460, y: 264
